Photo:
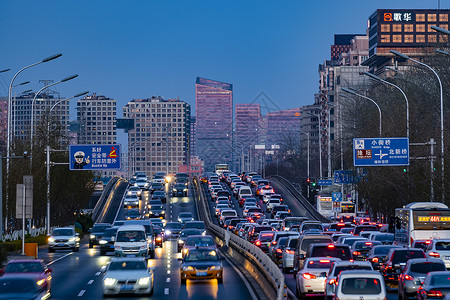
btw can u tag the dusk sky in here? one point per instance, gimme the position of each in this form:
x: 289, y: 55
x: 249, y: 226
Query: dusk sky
x: 135, y: 49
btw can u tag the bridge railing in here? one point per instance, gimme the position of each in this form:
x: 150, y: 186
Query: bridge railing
x: 104, y: 197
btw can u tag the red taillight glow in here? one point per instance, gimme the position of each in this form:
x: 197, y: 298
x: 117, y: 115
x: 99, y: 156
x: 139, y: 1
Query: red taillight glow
x: 427, y: 242
x: 274, y: 242
x: 408, y: 277
x: 375, y: 259
x: 434, y: 293
x: 330, y: 246
x: 309, y: 276
x: 324, y: 261
x: 258, y: 243
x: 332, y: 281
x: 279, y: 250
x: 356, y: 253
x: 290, y: 252
x: 434, y: 254
x: 368, y: 243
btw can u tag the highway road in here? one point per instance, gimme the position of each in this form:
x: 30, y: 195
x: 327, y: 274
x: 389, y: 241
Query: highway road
x: 76, y: 275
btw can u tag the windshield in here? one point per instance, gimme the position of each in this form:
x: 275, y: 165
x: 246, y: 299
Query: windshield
x: 201, y: 255
x: 306, y: 242
x: 17, y: 285
x: 440, y: 280
x: 63, y: 232
x: 381, y: 250
x: 426, y: 267
x: 384, y: 237
x: 334, y: 251
x: 185, y: 215
x: 402, y: 256
x: 339, y: 269
x: 361, y: 286
x: 157, y: 207
x: 200, y: 241
x: 158, y: 193
x: 228, y: 213
x: 130, y: 236
x: 110, y: 232
x: 24, y: 267
x: 365, y: 245
x: 189, y: 232
x: 174, y: 226
x: 443, y: 246
x: 198, y: 225
x: 127, y: 265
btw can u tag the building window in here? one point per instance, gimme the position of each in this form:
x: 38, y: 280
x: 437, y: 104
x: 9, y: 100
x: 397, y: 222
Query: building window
x: 385, y: 27
x: 420, y: 18
x: 443, y: 18
x: 409, y: 28
x: 432, y: 18
x: 396, y: 38
x: 420, y: 28
x: 432, y: 38
x: 397, y: 28
x: 443, y: 38
x: 409, y: 38
x: 385, y: 38
x: 429, y: 27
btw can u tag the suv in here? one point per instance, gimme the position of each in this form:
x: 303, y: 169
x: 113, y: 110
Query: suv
x: 149, y: 233
x: 302, y: 246
x: 179, y: 189
x: 329, y: 250
x: 96, y: 233
x: 360, y: 285
x: 64, y: 238
x: 439, y: 248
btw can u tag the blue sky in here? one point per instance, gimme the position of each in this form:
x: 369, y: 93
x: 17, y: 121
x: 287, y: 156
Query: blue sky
x: 136, y: 49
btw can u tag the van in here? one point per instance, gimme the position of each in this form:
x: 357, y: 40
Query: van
x: 131, y: 240
x: 148, y: 230
x: 303, y: 244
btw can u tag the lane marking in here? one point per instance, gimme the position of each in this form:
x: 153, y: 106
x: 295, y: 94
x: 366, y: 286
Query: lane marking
x: 90, y: 281
x: 166, y: 291
x: 81, y: 293
x: 168, y: 279
x: 168, y: 271
x: 64, y: 256
x: 98, y: 273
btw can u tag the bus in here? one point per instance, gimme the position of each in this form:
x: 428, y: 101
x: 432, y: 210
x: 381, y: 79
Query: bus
x: 220, y: 168
x: 421, y: 221
x: 347, y: 209
x: 324, y: 206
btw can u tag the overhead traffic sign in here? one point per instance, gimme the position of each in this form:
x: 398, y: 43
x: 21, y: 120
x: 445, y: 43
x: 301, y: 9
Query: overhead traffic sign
x: 94, y: 157
x: 343, y: 177
x: 325, y: 182
x: 371, y: 152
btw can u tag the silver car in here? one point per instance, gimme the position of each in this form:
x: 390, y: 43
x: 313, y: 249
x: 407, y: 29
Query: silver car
x: 127, y: 276
x: 287, y: 258
x: 64, y: 238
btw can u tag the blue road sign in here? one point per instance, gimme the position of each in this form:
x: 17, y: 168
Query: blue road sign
x: 94, y: 157
x: 380, y: 152
x: 325, y: 182
x: 343, y: 177
x: 336, y: 197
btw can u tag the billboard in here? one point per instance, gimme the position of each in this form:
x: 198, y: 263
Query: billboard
x: 94, y: 157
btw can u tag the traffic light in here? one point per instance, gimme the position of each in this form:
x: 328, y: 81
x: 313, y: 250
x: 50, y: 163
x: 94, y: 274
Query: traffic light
x: 308, y: 180
x: 313, y: 184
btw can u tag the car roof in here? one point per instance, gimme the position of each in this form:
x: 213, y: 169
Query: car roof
x: 131, y: 227
x: 423, y: 260
x: 128, y: 259
x: 352, y: 273
x: 352, y: 263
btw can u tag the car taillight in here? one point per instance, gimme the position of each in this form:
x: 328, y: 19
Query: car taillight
x: 332, y: 281
x: 279, y: 250
x: 434, y: 254
x: 330, y: 246
x: 434, y: 293
x: 375, y: 259
x: 324, y: 261
x: 408, y: 277
x: 258, y: 243
x: 290, y: 252
x: 356, y: 253
x: 274, y: 242
x: 309, y: 276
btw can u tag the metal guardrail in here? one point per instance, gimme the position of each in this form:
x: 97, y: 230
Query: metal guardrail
x: 301, y: 199
x: 254, y: 254
x: 103, y: 197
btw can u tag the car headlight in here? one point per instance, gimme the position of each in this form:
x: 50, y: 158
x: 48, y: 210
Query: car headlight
x: 168, y: 232
x: 109, y: 281
x: 51, y: 240
x: 150, y: 212
x: 72, y: 239
x: 174, y: 190
x: 180, y: 241
x: 216, y: 268
x: 40, y: 282
x: 102, y: 242
x: 144, y: 281
x: 163, y: 212
x: 92, y: 236
x: 188, y: 268
x: 158, y: 238
x: 185, y: 190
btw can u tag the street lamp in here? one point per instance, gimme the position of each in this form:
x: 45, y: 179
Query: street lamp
x: 441, y: 51
x: 439, y: 29
x: 373, y: 76
x: 32, y: 112
x: 442, y: 109
x: 362, y: 96
x: 48, y: 154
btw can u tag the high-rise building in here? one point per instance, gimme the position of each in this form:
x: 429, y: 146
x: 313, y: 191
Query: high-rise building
x: 193, y: 137
x: 358, y: 52
x: 282, y: 124
x: 214, y: 116
x: 248, y: 122
x: 96, y: 116
x: 159, y: 141
x: 342, y: 44
x: 404, y: 30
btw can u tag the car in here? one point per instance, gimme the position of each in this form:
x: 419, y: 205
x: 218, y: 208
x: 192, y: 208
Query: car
x: 359, y: 284
x: 107, y: 242
x: 219, y: 207
x: 184, y: 217
x: 377, y: 255
x: 383, y: 237
x: 439, y: 248
x: 64, y: 238
x: 198, y: 241
x: 157, y: 222
x: 302, y: 246
x: 132, y: 214
x: 201, y: 263
x: 32, y: 267
x: 360, y: 228
x: 156, y: 187
x: 131, y: 201
x: 96, y: 233
x: 251, y: 209
x: 23, y: 286
x: 185, y: 234
x: 156, y: 211
x: 127, y: 275
x: 277, y: 208
x: 311, y: 278
x: 158, y: 235
x: 265, y: 190
x: 271, y: 203
x: 436, y: 285
x: 336, y: 268
x: 134, y: 190
x: 422, y: 244
x: 226, y: 213
x: 413, y: 275
x: 281, y: 215
x: 161, y: 195
x: 263, y: 240
x: 253, y: 234
x: 287, y: 257
x: 308, y: 225
x: 179, y: 189
x: 360, y: 249
x: 131, y: 240
x: 172, y: 230
x: 195, y: 225
x: 142, y: 183
x: 276, y: 237
x: 329, y: 250
x: 349, y: 240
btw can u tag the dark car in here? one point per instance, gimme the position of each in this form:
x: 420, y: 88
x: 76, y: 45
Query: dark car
x: 156, y: 211
x: 161, y: 195
x: 132, y: 214
x: 179, y: 189
x: 435, y: 286
x: 159, y: 236
x: 254, y: 232
x: 23, y: 286
x: 32, y: 267
x: 329, y: 250
x: 395, y: 261
x: 223, y: 193
x: 360, y: 228
x: 264, y: 239
x: 278, y: 208
x: 377, y: 255
x: 185, y: 234
x: 172, y: 229
x: 156, y: 186
x: 195, y: 225
x: 106, y: 243
x: 414, y: 274
x: 97, y: 232
x: 279, y: 248
x: 361, y: 249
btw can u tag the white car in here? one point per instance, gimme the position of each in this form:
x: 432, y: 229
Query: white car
x: 134, y: 190
x: 358, y: 285
x: 267, y: 197
x: 439, y: 248
x: 159, y: 180
x: 142, y: 183
x: 311, y: 278
x: 272, y: 202
x: 131, y: 200
x: 64, y: 238
x: 128, y: 275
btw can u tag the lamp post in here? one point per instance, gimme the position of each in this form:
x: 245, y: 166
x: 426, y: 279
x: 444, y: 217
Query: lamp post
x: 442, y: 110
x: 375, y: 77
x: 48, y: 154
x: 441, y: 51
x: 8, y: 138
x: 362, y: 96
x: 32, y: 112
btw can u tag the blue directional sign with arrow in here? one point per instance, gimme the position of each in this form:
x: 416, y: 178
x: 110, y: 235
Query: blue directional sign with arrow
x: 372, y: 152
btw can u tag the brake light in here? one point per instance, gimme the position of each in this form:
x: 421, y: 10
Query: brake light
x: 375, y: 259
x: 309, y: 276
x: 324, y: 261
x: 434, y: 254
x: 427, y: 242
x: 274, y: 242
x: 434, y: 293
x: 356, y: 253
x: 290, y: 252
x: 330, y: 246
x: 408, y: 277
x: 258, y: 243
x: 368, y: 243
x: 332, y: 281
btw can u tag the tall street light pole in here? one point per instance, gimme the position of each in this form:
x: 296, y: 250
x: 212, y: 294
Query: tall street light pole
x: 375, y: 77
x: 364, y: 97
x: 442, y: 112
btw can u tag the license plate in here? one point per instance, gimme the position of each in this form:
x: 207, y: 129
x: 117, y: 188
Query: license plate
x: 131, y: 255
x: 202, y: 273
x: 127, y: 287
x: 156, y: 214
x: 61, y: 245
